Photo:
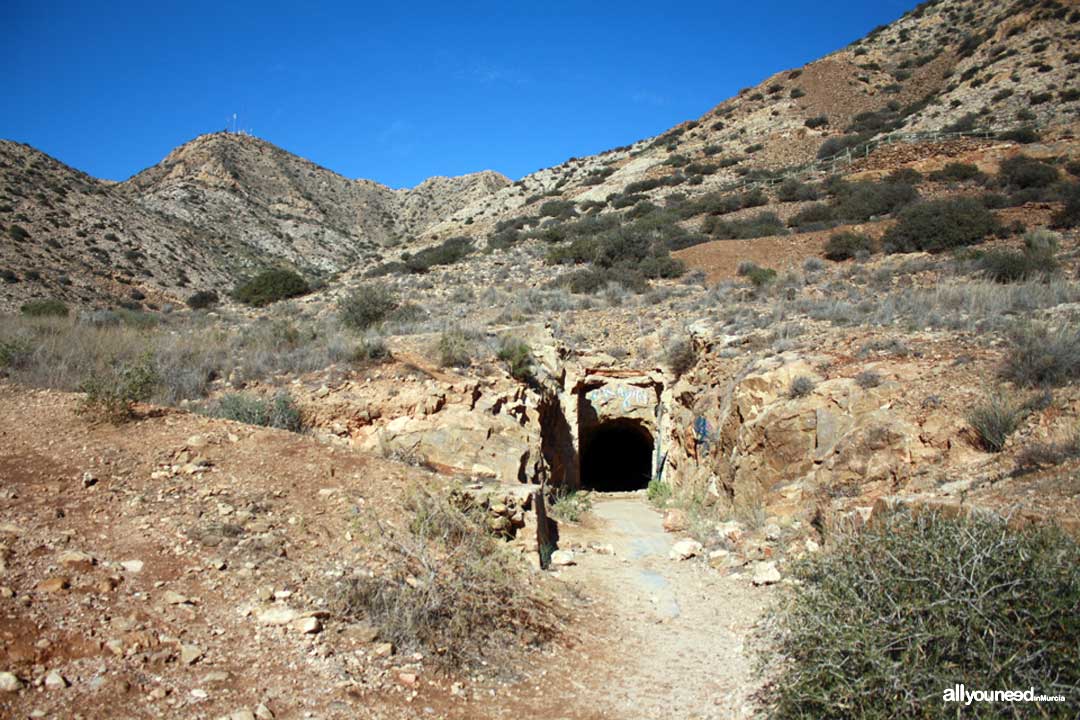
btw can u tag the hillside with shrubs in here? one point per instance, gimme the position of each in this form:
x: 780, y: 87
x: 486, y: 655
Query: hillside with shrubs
x: 277, y: 443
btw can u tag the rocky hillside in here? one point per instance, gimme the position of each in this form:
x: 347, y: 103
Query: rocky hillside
x: 242, y: 188
x: 223, y: 204
x: 945, y: 68
x: 204, y: 217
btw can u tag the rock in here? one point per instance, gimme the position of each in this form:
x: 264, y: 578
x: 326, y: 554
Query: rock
x: 55, y: 681
x: 384, y: 649
x: 199, y: 694
x: 190, y: 654
x: 563, y: 558
x: 731, y: 531
x: 54, y: 584
x: 132, y: 566
x: 243, y: 714
x: 772, y: 532
x: 10, y: 683
x: 174, y: 598
x: 765, y: 573
x: 498, y: 524
x: 408, y: 679
x: 812, y: 546
x: 607, y: 549
x: 215, y: 677
x: 280, y: 615
x: 308, y: 625
x: 107, y: 584
x: 322, y: 392
x: 88, y: 479
x: 197, y: 442
x: 685, y: 549
x: 675, y: 520
x: 74, y: 557
x: 263, y: 713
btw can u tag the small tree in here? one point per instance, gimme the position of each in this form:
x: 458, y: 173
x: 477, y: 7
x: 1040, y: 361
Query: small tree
x: 270, y: 286
x: 366, y: 306
x: 938, y: 225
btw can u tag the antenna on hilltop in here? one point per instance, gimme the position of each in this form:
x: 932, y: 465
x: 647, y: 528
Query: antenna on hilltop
x: 234, y: 123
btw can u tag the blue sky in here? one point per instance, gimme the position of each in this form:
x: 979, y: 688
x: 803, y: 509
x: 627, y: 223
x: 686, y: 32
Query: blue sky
x: 393, y: 91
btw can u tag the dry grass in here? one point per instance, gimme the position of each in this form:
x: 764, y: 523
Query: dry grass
x: 187, y: 353
x: 442, y: 584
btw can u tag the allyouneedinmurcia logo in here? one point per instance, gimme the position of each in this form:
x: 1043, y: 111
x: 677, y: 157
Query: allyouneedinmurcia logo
x: 959, y: 693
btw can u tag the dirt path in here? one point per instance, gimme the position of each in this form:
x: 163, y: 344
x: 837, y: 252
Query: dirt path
x: 677, y: 631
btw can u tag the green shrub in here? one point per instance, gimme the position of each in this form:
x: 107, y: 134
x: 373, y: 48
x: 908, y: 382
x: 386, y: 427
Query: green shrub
x: 890, y: 617
x: 589, y: 281
x: 861, y: 201
x: 1069, y: 217
x: 818, y: 216
x: 280, y: 411
x: 836, y: 145
x: 447, y: 252
x: 517, y: 355
x: 995, y: 420
x: 658, y: 492
x: 111, y: 393
x: 571, y: 506
x: 1041, y: 357
x: 456, y: 348
x: 817, y: 122
x: 937, y: 225
x: 761, y: 225
x: 957, y: 172
x: 561, y: 209
x: 366, y: 306
x: 847, y: 245
x: 1024, y: 172
x: 202, y: 300
x: 1023, y: 135
x: 18, y: 233
x: 1007, y: 266
x: 792, y: 190
x: 44, y: 308
x: 270, y: 286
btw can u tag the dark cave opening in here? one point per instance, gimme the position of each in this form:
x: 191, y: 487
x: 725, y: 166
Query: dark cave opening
x: 616, y: 456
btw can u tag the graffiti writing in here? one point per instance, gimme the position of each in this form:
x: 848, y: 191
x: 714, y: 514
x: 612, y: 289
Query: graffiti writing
x: 628, y: 396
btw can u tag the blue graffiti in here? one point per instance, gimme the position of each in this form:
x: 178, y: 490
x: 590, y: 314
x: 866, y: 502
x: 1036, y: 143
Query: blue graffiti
x: 703, y: 430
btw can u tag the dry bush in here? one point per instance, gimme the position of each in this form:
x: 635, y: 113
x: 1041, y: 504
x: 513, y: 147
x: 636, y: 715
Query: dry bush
x: 444, y: 585
x: 680, y: 356
x: 995, y: 420
x: 1039, y: 356
x: 883, y: 623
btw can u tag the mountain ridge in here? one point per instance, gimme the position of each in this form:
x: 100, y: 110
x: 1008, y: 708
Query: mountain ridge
x: 223, y: 205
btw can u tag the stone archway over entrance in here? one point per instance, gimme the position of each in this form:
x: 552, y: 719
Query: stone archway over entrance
x: 616, y: 456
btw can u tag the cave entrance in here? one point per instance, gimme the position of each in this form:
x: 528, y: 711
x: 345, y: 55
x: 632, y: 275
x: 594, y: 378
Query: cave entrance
x: 616, y: 456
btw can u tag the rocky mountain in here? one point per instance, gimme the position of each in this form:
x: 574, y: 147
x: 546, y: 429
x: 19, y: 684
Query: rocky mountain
x: 944, y: 68
x: 212, y: 211
x: 223, y: 204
